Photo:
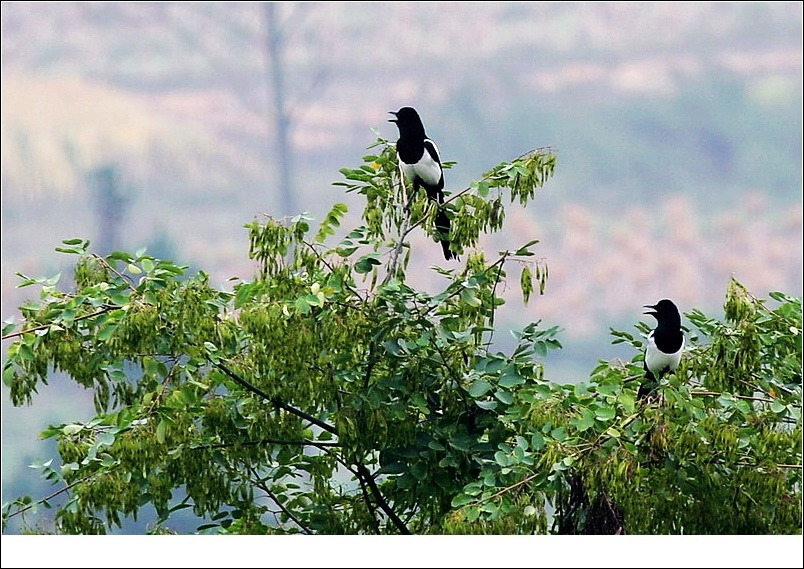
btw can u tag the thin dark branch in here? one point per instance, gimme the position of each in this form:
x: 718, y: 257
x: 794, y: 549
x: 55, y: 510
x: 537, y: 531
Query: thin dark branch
x: 125, y: 279
x: 103, y: 310
x: 493, y: 293
x: 367, y: 499
x: 746, y: 397
x: 53, y: 495
x: 264, y: 487
x: 378, y: 497
x: 317, y: 444
x: 362, y: 471
x: 372, y: 361
x: 275, y: 400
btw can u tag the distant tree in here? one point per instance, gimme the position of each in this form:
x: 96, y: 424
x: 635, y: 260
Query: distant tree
x: 277, y: 33
x: 327, y: 395
x: 111, y: 205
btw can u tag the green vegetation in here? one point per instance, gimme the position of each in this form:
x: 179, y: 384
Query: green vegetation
x: 328, y: 395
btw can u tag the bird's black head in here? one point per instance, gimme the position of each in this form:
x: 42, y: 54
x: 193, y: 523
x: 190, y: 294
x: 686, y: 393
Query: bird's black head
x: 408, y: 121
x: 665, y: 309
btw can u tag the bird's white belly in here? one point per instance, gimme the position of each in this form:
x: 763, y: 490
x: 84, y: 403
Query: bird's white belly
x: 426, y: 169
x: 658, y: 361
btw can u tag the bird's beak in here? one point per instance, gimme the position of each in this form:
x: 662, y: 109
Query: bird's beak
x: 652, y: 311
x: 392, y: 113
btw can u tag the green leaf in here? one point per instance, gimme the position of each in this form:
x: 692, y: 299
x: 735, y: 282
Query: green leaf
x: 160, y: 431
x: 585, y: 421
x: 744, y: 407
x: 9, y: 326
x: 559, y: 434
x: 461, y: 500
x: 26, y: 352
x: 511, y: 379
x: 469, y: 297
x: 72, y: 429
x: 394, y: 468
x: 479, y: 388
x: 778, y: 407
x: 107, y: 460
x: 487, y: 405
x: 504, y: 396
x: 605, y: 413
x: 419, y: 471
x: 502, y: 458
x: 365, y: 264
x: 105, y: 439
x: 461, y: 442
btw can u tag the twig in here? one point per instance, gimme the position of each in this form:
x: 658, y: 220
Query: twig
x: 746, y: 397
x: 275, y: 400
x: 264, y: 487
x: 362, y: 471
x: 493, y: 293
x: 403, y: 232
x: 53, y: 495
x: 103, y: 310
x: 369, y: 479
x: 506, y: 489
x: 317, y: 444
x: 128, y: 281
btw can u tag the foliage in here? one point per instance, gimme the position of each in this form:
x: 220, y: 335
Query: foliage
x: 327, y: 395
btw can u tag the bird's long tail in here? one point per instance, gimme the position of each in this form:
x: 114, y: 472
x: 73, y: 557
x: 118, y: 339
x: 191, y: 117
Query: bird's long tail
x: 442, y: 227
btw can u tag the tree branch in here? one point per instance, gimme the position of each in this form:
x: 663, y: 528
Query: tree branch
x: 317, y: 444
x: 746, y: 397
x: 53, y: 495
x: 486, y: 177
x: 362, y: 471
x: 126, y: 280
x: 264, y: 487
x: 103, y: 310
x: 403, y: 232
x: 369, y: 505
x: 275, y: 400
x: 378, y: 497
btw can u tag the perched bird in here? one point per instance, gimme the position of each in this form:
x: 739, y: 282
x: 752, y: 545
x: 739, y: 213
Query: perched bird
x: 421, y: 165
x: 665, y: 345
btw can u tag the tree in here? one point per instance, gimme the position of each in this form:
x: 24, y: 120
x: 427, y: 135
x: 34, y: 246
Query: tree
x: 326, y: 395
x: 277, y: 32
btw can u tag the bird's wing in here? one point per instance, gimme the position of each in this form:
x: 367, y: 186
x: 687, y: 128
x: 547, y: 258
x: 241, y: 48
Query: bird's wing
x: 432, y: 150
x: 428, y: 171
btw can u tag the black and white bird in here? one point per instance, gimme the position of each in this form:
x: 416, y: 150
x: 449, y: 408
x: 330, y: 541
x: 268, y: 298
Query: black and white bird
x: 421, y: 166
x: 664, y: 347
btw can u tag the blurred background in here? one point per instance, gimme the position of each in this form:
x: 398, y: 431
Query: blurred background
x: 168, y: 126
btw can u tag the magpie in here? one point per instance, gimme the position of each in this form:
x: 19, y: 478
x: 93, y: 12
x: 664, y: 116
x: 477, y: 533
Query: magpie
x: 421, y: 165
x: 664, y: 347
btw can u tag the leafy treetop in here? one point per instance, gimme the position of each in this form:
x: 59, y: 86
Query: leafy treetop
x: 327, y: 395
